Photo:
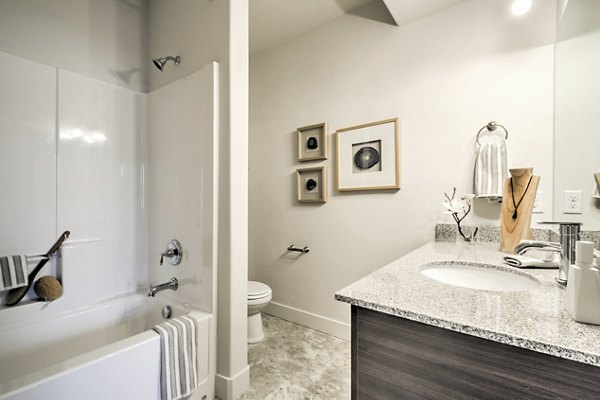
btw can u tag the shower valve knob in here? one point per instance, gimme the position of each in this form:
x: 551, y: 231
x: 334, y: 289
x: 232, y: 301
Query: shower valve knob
x: 173, y: 253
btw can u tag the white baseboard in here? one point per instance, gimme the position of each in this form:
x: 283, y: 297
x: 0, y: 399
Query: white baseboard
x: 330, y: 326
x: 232, y: 388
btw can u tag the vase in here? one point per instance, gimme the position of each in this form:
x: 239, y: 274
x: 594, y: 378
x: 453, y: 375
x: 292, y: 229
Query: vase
x: 469, y: 234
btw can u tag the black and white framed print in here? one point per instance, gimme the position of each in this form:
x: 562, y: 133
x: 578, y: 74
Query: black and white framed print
x: 312, y: 185
x: 312, y: 142
x: 368, y: 156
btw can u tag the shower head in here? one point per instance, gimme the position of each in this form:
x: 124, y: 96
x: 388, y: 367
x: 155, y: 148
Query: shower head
x: 160, y: 62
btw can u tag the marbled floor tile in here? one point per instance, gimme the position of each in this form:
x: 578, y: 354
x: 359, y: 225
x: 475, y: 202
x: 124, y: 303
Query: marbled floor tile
x: 298, y: 363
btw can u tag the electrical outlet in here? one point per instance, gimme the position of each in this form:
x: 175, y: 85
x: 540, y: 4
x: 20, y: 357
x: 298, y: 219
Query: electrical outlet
x: 537, y: 203
x: 573, y: 202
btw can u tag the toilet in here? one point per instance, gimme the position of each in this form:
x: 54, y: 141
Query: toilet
x: 259, y: 296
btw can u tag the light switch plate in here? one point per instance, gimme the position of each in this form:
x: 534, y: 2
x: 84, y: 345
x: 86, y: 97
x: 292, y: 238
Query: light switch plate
x: 573, y: 202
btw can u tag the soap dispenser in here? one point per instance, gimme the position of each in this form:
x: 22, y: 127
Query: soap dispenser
x: 582, y: 298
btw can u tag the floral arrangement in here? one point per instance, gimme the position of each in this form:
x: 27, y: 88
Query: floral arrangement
x: 455, y: 205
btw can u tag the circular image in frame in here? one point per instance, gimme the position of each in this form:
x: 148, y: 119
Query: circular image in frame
x: 312, y: 143
x: 311, y: 184
x: 367, y: 157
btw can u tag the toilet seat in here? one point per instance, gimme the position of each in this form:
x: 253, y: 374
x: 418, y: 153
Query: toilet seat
x: 257, y: 290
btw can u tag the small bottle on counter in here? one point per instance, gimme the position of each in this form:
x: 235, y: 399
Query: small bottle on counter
x: 582, y: 298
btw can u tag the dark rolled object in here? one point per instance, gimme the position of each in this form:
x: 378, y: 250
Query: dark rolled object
x: 366, y: 157
x: 311, y: 184
x: 312, y: 143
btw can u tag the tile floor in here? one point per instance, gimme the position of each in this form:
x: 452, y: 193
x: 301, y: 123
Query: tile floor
x: 298, y: 363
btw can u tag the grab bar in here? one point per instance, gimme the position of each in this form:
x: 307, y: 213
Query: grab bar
x: 291, y: 247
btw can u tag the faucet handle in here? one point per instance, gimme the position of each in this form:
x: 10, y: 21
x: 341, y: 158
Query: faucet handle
x: 169, y: 253
x: 173, y: 254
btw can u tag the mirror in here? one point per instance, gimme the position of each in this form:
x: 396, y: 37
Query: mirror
x: 577, y: 96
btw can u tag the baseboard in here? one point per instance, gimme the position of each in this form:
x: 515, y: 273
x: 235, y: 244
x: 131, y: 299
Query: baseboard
x: 232, y: 388
x: 317, y: 322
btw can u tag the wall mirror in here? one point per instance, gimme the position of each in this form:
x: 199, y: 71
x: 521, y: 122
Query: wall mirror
x: 577, y: 100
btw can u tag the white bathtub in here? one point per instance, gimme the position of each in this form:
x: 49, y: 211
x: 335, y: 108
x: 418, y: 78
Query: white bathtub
x: 103, y: 352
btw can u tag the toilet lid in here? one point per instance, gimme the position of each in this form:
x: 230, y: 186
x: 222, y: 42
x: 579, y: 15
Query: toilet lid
x: 257, y: 290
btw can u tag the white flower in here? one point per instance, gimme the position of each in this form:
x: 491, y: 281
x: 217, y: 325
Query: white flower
x: 454, y: 206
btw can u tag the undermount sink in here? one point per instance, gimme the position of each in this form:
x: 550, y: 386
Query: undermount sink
x: 479, y: 276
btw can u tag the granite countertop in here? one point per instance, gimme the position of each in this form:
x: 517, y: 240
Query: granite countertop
x: 533, y: 319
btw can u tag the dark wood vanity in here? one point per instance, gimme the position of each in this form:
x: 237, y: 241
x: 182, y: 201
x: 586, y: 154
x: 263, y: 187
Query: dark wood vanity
x: 396, y: 358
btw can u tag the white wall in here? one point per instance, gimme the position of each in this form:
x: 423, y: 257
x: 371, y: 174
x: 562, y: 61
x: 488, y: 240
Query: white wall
x: 203, y: 31
x: 181, y: 184
x: 577, y: 95
x: 74, y: 131
x: 106, y: 39
x: 99, y: 193
x: 28, y: 162
x: 445, y: 76
x: 75, y: 146
x: 181, y: 190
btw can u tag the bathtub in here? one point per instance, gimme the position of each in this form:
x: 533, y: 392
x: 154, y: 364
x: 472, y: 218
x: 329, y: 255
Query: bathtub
x: 107, y: 351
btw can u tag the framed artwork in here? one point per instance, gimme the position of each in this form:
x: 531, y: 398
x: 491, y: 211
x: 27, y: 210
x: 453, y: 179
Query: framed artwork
x: 312, y: 142
x: 312, y: 185
x: 368, y: 156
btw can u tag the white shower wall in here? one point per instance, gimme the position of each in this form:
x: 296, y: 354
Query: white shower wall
x: 125, y: 172
x: 28, y: 162
x: 101, y: 129
x: 181, y: 178
x: 75, y: 164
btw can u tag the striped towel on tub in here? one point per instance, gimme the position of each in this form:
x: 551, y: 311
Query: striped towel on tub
x: 179, y: 375
x: 13, y: 272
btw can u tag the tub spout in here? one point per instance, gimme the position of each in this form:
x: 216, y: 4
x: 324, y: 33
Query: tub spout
x: 173, y: 284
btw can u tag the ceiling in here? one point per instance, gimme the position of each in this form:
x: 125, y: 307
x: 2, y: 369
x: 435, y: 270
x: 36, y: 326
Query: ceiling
x: 405, y: 11
x: 273, y: 22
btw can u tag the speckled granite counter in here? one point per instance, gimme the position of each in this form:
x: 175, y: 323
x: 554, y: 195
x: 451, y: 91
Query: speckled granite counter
x: 533, y: 319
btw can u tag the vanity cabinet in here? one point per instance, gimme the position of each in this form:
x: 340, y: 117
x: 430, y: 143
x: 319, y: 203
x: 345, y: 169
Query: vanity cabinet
x: 396, y: 358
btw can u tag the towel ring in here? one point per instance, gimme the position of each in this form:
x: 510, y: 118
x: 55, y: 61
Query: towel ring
x: 491, y: 127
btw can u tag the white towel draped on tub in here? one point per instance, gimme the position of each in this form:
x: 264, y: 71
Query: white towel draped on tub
x: 178, y: 357
x: 491, y: 168
x: 13, y: 272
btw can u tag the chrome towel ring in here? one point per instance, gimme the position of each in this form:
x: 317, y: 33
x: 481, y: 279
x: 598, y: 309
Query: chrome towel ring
x: 491, y: 127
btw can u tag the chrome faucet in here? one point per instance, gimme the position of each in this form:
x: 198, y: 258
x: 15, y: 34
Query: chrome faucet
x: 173, y: 284
x: 569, y: 235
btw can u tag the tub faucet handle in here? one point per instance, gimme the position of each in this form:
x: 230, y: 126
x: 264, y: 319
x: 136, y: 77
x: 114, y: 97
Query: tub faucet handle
x: 173, y: 253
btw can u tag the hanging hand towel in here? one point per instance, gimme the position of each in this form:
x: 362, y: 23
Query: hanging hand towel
x: 13, y: 272
x: 491, y: 168
x: 178, y: 377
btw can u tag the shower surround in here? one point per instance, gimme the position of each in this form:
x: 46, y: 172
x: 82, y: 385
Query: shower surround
x: 97, y: 139
x: 127, y: 172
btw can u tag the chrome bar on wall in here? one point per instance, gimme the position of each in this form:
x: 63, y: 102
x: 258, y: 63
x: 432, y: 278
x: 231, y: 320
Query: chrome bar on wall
x: 305, y: 249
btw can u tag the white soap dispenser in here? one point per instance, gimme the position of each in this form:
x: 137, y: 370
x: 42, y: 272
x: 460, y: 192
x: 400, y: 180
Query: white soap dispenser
x: 582, y: 298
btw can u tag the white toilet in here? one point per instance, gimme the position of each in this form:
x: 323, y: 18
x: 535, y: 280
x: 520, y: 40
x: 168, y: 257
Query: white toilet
x: 259, y: 295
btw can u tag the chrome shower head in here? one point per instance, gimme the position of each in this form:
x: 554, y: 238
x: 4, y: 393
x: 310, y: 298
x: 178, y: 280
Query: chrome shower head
x: 159, y: 63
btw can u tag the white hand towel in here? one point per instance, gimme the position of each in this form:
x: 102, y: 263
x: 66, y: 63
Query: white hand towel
x: 528, y: 262
x: 491, y: 168
x: 179, y: 375
x: 13, y: 272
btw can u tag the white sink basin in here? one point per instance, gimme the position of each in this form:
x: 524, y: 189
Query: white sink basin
x: 479, y: 276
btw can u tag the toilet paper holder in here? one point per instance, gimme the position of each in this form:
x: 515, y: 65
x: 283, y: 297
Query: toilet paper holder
x: 305, y: 249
